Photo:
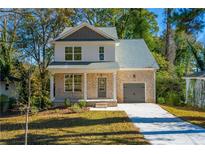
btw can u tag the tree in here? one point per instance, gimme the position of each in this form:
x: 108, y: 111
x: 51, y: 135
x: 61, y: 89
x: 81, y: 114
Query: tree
x: 170, y: 47
x: 37, y: 28
x: 8, y: 37
x: 191, y: 21
x: 130, y: 23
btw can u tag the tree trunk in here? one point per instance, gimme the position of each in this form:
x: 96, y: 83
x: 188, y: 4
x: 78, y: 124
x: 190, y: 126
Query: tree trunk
x: 170, y: 46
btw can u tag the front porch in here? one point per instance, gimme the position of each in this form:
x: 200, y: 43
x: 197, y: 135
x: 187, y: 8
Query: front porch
x: 92, y: 87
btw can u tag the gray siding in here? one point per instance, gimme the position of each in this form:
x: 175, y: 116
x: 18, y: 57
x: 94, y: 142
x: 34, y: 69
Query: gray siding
x: 85, y: 34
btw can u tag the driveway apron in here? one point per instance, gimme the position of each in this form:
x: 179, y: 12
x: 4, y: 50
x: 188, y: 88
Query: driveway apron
x: 162, y: 128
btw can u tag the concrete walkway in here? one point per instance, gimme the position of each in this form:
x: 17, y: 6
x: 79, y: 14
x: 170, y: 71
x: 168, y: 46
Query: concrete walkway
x: 160, y: 127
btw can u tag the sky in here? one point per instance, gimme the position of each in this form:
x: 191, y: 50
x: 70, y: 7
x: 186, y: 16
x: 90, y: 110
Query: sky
x: 160, y: 19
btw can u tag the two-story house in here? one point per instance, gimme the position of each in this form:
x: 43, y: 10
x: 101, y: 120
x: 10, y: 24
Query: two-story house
x: 92, y: 64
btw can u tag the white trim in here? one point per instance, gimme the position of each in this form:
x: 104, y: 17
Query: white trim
x: 80, y: 70
x: 201, y: 78
x: 118, y: 69
x: 155, y: 87
x: 74, y: 29
x: 85, y: 86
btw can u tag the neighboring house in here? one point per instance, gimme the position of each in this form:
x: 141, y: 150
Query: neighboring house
x: 92, y: 64
x: 195, y: 89
x: 8, y: 88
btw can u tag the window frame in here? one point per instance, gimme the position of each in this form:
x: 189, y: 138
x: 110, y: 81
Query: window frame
x: 101, y: 53
x: 73, y: 53
x: 77, y: 53
x: 69, y: 53
x: 73, y: 82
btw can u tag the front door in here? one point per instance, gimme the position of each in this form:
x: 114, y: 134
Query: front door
x: 101, y: 87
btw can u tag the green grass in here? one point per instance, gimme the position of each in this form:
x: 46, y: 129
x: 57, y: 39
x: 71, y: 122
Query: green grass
x: 188, y: 113
x: 60, y: 127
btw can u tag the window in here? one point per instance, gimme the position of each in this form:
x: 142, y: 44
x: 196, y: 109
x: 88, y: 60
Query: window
x: 7, y: 86
x: 69, y: 82
x: 73, y: 53
x: 68, y: 53
x: 73, y: 82
x: 101, y: 53
x: 77, y: 53
x: 77, y: 82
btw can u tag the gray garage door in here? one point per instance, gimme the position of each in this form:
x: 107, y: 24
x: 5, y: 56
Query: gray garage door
x: 134, y: 92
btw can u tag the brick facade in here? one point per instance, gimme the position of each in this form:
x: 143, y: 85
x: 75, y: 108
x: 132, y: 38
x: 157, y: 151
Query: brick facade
x: 139, y: 76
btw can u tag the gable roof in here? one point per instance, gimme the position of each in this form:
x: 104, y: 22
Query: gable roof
x: 134, y: 54
x: 107, y: 32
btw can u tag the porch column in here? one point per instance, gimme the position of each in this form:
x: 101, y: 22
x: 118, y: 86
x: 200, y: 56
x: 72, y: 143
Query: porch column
x: 51, y: 87
x: 114, y: 86
x: 85, y: 86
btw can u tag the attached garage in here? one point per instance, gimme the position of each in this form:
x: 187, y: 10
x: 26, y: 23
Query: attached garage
x: 134, y: 92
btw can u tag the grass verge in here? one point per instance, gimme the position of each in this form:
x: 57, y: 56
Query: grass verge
x: 188, y: 113
x: 60, y: 127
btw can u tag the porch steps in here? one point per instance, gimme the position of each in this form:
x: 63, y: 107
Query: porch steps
x: 101, y: 105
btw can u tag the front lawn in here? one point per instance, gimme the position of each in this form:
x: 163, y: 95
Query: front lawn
x: 59, y: 127
x: 188, y: 113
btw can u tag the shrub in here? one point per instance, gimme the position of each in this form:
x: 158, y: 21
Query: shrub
x: 76, y: 108
x: 42, y: 102
x: 12, y: 101
x: 161, y: 100
x: 56, y: 110
x: 6, y: 103
x: 34, y: 110
x: 82, y: 104
x: 173, y: 99
x: 67, y: 102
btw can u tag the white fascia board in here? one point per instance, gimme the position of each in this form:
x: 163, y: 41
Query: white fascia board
x: 80, y: 70
x: 202, y: 78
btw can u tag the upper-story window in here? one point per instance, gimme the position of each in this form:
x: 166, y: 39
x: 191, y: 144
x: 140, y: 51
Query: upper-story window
x: 101, y: 53
x: 73, y: 53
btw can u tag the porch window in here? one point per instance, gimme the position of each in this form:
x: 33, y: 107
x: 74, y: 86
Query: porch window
x: 73, y: 53
x: 101, y: 53
x: 73, y: 82
x: 77, y: 82
x: 69, y: 82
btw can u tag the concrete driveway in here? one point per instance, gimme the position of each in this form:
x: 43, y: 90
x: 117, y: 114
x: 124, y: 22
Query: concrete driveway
x: 160, y: 127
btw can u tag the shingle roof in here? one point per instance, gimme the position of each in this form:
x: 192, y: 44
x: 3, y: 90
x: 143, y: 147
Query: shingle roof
x: 85, y: 65
x: 109, y: 30
x: 134, y: 54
